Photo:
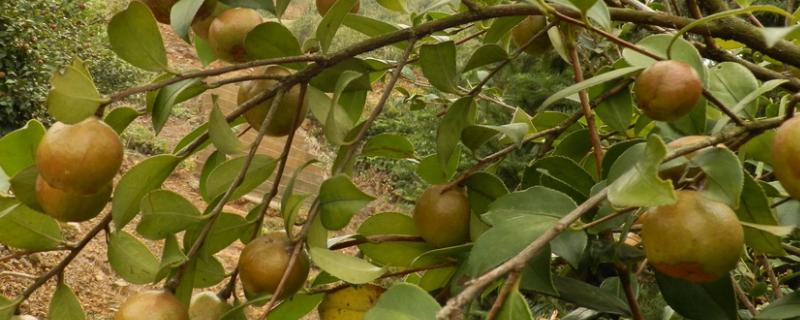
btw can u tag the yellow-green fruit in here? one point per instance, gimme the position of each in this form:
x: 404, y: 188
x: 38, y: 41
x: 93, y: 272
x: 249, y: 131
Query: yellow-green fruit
x: 81, y: 158
x: 442, y: 218
x: 200, y: 26
x: 263, y: 262
x: 152, y: 305
x: 349, y: 303
x: 696, y: 239
x: 668, y: 90
x: 207, y: 306
x: 228, y: 30
x: 69, y: 206
x: 526, y: 30
x: 786, y: 156
x: 324, y: 5
x: 161, y: 9
x: 675, y: 169
x: 281, y: 123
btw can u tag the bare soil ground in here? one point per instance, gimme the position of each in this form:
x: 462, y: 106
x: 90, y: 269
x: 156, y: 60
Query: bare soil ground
x: 90, y: 276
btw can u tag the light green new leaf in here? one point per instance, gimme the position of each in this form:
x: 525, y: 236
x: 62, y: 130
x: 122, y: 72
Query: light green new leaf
x: 339, y: 200
x: 26, y: 229
x: 588, y: 83
x: 221, y: 133
x: 640, y: 185
x: 73, y: 96
x: 331, y: 21
x: 65, y: 305
x: 142, y: 48
x: 131, y: 259
x: 347, y: 268
x: 438, y: 62
x: 146, y: 176
x: 404, y: 301
x: 165, y: 213
x: 18, y: 147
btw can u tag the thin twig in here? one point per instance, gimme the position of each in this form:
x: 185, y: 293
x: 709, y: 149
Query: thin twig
x: 630, y: 296
x: 607, y: 218
x: 587, y: 111
x: 511, y: 281
x: 250, y: 77
x: 743, y: 298
x: 721, y: 106
x: 376, y: 239
x: 776, y: 284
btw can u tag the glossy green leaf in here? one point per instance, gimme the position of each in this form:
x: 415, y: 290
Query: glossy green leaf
x: 724, y: 175
x: 575, y: 145
x: 171, y: 257
x: 226, y: 229
x: 205, y: 53
x: 26, y: 229
x: 459, y: 115
x: 404, y: 301
x: 485, y: 55
x: 371, y: 27
x: 182, y: 15
x: 755, y: 208
x: 327, y: 79
x: 506, y: 239
x: 615, y: 111
x: 331, y: 21
x: 787, y: 307
x: 536, y: 275
x: 119, y: 118
x: 751, y: 97
x: 430, y: 168
x: 296, y: 307
x: 172, y: 95
x: 438, y: 62
x: 208, y: 271
x: 391, y: 253
x: 165, y: 213
x: 65, y: 305
x: 23, y: 184
x: 130, y: 259
x: 221, y: 178
x: 146, y: 176
x: 483, y: 189
x: 500, y: 27
x: 221, y: 134
x: 588, y: 83
x: 730, y: 82
x: 712, y: 300
x: 215, y: 159
x: 336, y: 130
x: 272, y: 40
x: 73, y: 96
x: 586, y: 295
x: 18, y: 148
x: 640, y: 184
x: 475, y: 136
x: 350, y: 269
x: 339, y: 200
x: 143, y: 48
x: 515, y: 308
x: 561, y: 174
x: 290, y: 202
x: 387, y: 145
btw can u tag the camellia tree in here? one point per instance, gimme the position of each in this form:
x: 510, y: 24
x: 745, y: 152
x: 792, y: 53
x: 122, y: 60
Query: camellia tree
x: 682, y: 165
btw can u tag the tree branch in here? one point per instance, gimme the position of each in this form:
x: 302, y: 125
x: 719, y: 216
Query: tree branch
x: 587, y: 110
x: 376, y: 239
x: 511, y: 281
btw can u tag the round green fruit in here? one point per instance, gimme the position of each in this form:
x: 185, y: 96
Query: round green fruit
x: 281, y: 123
x: 349, y: 303
x: 442, y: 217
x: 81, y: 158
x: 527, y: 29
x: 668, y: 90
x: 263, y: 262
x: 696, y: 239
x: 68, y: 206
x: 227, y: 32
x: 152, y: 305
x: 324, y: 5
x: 207, y: 306
x: 786, y: 156
x: 161, y: 9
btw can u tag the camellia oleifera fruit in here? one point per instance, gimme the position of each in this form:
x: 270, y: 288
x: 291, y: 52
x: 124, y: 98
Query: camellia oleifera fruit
x: 151, y: 305
x: 324, y: 5
x: 675, y: 169
x: 786, y: 156
x: 668, y: 90
x: 263, y: 262
x: 161, y: 9
x: 70, y: 206
x: 442, y: 217
x: 349, y: 303
x: 527, y: 29
x: 228, y: 30
x: 81, y: 158
x: 281, y: 123
x: 696, y: 239
x: 200, y: 26
x: 207, y: 306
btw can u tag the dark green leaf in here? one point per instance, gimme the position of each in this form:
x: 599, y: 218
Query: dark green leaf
x: 488, y: 54
x: 588, y: 83
x: 755, y: 208
x: 459, y: 115
x: 272, y: 40
x: 500, y: 27
x: 723, y: 175
x: 65, y: 305
x: 172, y: 95
x: 146, y: 176
x: 787, y: 307
x: 387, y: 145
x: 296, y: 307
x: 438, y: 62
x: 506, y: 239
x: 713, y: 300
x: 221, y: 134
x: 536, y: 275
x: 430, y: 168
x: 589, y: 296
x: 331, y: 21
x: 221, y: 178
x: 515, y: 308
x: 131, y: 259
x: 371, y: 27
x: 26, y: 229
x: 226, y: 229
x: 165, y: 213
x: 483, y: 188
x: 23, y: 184
x: 143, y: 48
x: 290, y: 202
x: 339, y: 200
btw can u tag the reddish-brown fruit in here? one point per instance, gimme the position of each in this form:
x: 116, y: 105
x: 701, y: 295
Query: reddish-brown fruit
x: 263, y: 262
x: 786, y: 156
x: 668, y: 90
x: 696, y: 239
x: 281, y: 123
x: 81, y: 158
x: 324, y: 5
x: 69, y: 206
x: 152, y: 305
x: 442, y: 218
x: 228, y: 30
x: 527, y: 29
x: 161, y: 9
